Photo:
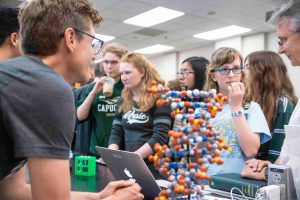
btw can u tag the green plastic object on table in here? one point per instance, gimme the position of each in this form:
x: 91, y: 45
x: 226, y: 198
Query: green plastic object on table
x: 85, y: 165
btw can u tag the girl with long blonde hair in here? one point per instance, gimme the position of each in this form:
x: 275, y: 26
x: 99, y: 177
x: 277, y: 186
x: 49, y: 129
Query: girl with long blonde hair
x: 139, y: 123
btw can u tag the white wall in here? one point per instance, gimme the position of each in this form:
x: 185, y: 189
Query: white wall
x: 202, y: 51
x: 235, y: 42
x: 168, y: 64
x: 256, y: 42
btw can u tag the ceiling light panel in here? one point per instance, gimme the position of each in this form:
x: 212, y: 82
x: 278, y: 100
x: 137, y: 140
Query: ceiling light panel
x: 158, y: 48
x: 155, y: 16
x: 224, y: 32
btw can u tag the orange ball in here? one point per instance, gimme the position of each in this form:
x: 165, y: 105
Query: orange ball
x: 186, y: 104
x: 190, y: 165
x: 186, y: 191
x: 153, y: 83
x: 216, y: 153
x: 203, y: 168
x: 181, y: 181
x: 176, y: 190
x: 183, y: 93
x: 150, y: 158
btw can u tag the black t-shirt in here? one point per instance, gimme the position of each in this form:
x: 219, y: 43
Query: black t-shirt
x: 36, y: 113
x: 135, y: 127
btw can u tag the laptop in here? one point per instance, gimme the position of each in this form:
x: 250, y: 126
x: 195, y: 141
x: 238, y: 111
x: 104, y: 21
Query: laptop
x: 126, y: 165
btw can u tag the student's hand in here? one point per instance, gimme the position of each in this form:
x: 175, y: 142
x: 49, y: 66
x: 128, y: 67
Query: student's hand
x: 257, y: 165
x: 99, y: 85
x: 236, y: 94
x: 100, y: 161
x: 248, y: 172
x: 121, y: 190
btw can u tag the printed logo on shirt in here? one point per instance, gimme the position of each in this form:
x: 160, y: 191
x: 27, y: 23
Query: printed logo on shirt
x: 106, y: 108
x: 108, y: 105
x: 227, y: 131
x: 135, y: 116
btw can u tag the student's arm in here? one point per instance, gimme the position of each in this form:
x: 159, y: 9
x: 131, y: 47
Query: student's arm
x: 15, y: 187
x: 50, y: 178
x: 145, y: 150
x: 84, y: 109
x: 116, y: 190
x: 248, y: 140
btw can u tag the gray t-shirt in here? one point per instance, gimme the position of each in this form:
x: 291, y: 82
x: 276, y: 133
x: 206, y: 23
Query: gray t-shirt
x: 37, y: 113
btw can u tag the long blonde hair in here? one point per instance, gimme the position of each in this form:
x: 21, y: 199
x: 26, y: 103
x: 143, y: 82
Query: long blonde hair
x: 147, y: 100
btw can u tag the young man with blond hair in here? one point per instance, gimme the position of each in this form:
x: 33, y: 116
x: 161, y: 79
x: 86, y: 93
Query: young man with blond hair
x: 37, y: 103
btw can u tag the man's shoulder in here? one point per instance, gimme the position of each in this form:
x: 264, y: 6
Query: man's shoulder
x: 30, y: 70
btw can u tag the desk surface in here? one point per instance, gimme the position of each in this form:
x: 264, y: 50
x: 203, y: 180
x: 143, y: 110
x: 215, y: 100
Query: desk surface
x: 102, y: 178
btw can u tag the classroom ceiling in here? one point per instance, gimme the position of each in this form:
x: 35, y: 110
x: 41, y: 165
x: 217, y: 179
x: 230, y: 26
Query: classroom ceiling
x: 200, y: 16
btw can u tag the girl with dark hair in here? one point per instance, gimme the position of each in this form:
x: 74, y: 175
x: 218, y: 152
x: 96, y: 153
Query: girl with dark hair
x: 192, y: 73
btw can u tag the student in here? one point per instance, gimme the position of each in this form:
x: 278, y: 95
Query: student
x: 192, y: 73
x: 83, y: 129
x: 242, y: 125
x: 9, y: 33
x: 37, y: 104
x: 138, y: 121
x: 100, y: 108
x: 287, y: 20
x: 275, y: 94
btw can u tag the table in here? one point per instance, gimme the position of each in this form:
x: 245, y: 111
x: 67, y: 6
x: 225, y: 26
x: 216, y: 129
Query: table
x: 91, y: 183
x: 102, y: 178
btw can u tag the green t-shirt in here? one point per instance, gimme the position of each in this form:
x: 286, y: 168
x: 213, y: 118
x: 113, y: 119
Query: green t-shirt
x: 103, y: 111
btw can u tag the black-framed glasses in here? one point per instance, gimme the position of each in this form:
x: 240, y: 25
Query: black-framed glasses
x: 184, y: 73
x: 226, y: 70
x: 97, y: 44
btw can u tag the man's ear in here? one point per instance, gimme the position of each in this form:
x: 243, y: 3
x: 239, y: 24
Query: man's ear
x: 70, y: 39
x: 14, y: 39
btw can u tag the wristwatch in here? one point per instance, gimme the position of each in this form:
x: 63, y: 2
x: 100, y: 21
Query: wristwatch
x: 238, y: 113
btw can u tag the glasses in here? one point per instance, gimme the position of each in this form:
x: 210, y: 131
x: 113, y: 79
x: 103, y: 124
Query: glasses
x: 97, y: 44
x: 184, y: 73
x: 283, y: 40
x: 112, y: 62
x: 226, y: 70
